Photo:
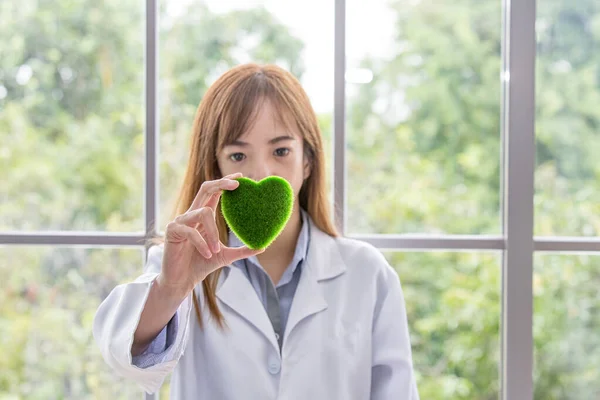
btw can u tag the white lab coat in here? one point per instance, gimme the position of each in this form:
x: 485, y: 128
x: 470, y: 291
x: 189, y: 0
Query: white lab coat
x: 346, y: 337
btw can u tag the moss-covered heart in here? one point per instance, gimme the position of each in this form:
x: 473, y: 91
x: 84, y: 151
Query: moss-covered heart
x: 258, y: 211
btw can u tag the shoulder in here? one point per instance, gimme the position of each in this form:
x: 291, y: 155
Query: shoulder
x: 351, y: 249
x: 357, y: 259
x: 364, y: 261
x: 368, y: 280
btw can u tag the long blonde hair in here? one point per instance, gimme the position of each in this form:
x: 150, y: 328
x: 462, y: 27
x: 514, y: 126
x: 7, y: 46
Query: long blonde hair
x: 223, y: 115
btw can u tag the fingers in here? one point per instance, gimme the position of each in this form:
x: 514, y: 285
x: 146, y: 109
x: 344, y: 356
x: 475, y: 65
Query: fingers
x: 214, y: 199
x: 231, y: 254
x: 210, y: 188
x: 206, y: 218
x: 234, y: 175
x: 178, y: 232
x: 191, y: 218
x: 211, y: 233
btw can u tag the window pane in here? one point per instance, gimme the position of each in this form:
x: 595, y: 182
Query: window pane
x: 453, y: 303
x: 201, y: 40
x: 566, y: 326
x: 423, y: 116
x: 567, y: 179
x: 71, y: 115
x: 47, y: 306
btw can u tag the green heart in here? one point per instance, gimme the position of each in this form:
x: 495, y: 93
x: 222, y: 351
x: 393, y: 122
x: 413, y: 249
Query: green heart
x: 258, y: 211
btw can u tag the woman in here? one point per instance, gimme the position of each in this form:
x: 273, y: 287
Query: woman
x: 313, y: 316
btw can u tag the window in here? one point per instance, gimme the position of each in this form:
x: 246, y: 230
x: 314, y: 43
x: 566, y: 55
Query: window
x: 463, y: 146
x: 423, y: 117
x: 71, y: 110
x: 566, y: 323
x: 453, y: 307
x: 47, y: 304
x: 567, y: 192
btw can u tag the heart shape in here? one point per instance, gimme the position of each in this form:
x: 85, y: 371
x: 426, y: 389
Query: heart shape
x: 257, y: 212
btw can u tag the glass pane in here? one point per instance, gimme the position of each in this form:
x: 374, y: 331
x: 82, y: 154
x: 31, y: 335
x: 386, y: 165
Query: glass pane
x: 423, y: 116
x: 453, y: 302
x: 566, y: 326
x: 567, y: 179
x: 201, y: 40
x: 71, y: 115
x: 47, y: 306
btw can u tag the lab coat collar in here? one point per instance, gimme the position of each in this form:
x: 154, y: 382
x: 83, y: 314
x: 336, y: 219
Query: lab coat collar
x: 323, y: 262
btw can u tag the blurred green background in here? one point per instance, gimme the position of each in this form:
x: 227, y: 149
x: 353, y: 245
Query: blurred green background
x: 423, y: 143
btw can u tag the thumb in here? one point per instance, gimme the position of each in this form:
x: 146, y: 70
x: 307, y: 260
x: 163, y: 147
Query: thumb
x: 232, y: 254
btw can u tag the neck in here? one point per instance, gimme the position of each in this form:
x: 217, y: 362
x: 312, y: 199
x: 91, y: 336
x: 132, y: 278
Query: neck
x: 279, y: 254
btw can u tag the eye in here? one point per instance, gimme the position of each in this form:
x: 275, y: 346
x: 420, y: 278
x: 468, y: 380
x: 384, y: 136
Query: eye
x: 282, y: 152
x: 237, y: 157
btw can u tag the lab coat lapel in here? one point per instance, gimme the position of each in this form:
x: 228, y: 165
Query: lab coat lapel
x: 323, y: 261
x: 308, y: 300
x: 238, y: 294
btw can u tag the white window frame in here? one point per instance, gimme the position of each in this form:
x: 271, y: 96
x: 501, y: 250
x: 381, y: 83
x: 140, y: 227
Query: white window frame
x: 516, y: 242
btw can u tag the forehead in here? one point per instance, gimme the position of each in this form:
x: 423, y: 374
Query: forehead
x: 268, y: 121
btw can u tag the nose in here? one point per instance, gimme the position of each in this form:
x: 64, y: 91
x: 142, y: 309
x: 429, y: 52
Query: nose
x: 260, y: 171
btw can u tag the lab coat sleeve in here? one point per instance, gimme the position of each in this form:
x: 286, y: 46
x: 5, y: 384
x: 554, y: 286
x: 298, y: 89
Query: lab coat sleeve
x: 117, y: 318
x: 161, y: 346
x: 392, y: 374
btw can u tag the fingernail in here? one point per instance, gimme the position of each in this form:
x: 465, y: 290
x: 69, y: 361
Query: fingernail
x: 207, y: 254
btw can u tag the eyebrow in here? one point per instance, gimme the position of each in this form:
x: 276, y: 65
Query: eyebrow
x: 272, y: 141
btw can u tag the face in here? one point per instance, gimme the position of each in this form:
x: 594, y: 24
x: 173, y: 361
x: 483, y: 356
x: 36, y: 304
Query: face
x: 267, y: 148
